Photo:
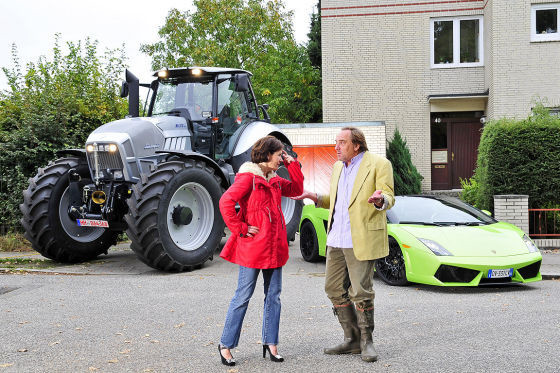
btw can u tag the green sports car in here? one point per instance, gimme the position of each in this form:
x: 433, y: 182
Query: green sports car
x: 439, y: 241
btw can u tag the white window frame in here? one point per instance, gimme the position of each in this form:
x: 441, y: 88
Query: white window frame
x: 544, y: 37
x: 456, y: 42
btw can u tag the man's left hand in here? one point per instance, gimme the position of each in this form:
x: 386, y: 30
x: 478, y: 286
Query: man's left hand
x: 376, y: 198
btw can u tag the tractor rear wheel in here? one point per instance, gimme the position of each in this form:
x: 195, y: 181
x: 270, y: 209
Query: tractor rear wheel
x: 47, y: 224
x: 174, y: 221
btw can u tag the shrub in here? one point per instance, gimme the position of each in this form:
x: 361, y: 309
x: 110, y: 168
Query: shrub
x: 54, y: 105
x: 520, y: 157
x: 470, y: 190
x: 407, y: 178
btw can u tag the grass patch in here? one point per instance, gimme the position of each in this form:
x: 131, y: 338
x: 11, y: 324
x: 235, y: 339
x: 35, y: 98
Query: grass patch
x: 14, y: 242
x: 29, y: 263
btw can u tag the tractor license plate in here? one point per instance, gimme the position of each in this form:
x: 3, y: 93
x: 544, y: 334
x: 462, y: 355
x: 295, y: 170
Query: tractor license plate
x: 500, y: 273
x: 93, y: 223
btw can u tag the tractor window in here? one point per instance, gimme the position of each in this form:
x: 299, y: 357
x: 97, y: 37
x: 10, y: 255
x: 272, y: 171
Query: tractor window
x: 195, y: 97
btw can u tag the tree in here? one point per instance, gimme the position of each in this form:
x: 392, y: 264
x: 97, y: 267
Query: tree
x: 407, y: 179
x: 314, y: 44
x: 255, y: 35
x: 53, y: 105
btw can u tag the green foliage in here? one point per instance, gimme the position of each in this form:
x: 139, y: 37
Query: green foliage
x: 53, y: 105
x: 255, y: 35
x: 314, y: 35
x: 407, y: 178
x: 470, y: 190
x: 520, y: 157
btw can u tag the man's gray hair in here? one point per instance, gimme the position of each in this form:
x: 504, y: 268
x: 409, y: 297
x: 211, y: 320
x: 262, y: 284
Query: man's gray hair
x: 357, y: 137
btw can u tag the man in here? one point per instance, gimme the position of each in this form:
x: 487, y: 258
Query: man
x: 361, y: 191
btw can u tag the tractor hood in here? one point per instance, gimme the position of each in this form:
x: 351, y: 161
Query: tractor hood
x: 493, y: 240
x: 140, y: 137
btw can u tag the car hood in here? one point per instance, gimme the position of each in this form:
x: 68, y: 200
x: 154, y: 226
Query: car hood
x: 493, y: 240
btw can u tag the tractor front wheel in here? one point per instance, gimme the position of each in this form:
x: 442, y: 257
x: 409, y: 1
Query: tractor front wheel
x: 49, y: 228
x: 174, y: 221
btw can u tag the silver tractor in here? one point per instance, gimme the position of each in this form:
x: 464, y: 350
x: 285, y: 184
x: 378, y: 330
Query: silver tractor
x: 158, y: 177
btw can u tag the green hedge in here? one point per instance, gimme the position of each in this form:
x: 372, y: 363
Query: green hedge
x: 520, y: 157
x: 52, y: 105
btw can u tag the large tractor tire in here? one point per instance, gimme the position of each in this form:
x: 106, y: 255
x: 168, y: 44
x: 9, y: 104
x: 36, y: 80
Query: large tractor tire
x: 45, y: 216
x: 290, y: 208
x: 174, y: 221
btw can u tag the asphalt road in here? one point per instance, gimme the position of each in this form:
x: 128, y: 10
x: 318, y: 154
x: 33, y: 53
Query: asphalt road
x: 148, y: 321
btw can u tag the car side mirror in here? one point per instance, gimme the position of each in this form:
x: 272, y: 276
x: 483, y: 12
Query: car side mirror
x: 487, y: 212
x: 124, y: 89
x: 241, y: 83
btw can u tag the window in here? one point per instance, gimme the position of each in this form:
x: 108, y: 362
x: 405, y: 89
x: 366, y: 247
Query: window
x: 456, y: 42
x: 544, y: 22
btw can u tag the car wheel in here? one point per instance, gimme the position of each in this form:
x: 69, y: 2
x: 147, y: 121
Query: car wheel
x: 308, y: 244
x: 392, y: 269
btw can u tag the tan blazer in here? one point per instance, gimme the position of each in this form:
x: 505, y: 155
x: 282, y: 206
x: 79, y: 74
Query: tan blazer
x: 368, y: 225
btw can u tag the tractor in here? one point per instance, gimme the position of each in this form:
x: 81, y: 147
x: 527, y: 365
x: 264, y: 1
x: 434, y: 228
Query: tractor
x: 157, y: 177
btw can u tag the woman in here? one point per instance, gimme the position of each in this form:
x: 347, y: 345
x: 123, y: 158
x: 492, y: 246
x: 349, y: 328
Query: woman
x: 258, y: 240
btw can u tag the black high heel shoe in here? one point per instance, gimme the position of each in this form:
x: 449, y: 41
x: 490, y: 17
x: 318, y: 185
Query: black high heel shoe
x: 275, y: 358
x: 228, y: 362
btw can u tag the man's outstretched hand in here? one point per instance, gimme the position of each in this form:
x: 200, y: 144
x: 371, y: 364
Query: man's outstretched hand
x: 307, y: 194
x: 376, y: 198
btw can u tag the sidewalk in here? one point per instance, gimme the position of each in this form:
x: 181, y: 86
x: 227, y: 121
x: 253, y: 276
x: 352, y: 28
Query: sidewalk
x: 122, y: 261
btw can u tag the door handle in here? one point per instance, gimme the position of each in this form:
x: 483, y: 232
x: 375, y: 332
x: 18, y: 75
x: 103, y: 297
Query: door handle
x: 452, y: 156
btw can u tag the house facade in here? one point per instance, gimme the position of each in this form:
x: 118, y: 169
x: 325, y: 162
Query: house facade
x: 437, y: 70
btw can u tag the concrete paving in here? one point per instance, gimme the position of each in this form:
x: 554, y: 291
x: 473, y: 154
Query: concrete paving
x: 120, y: 260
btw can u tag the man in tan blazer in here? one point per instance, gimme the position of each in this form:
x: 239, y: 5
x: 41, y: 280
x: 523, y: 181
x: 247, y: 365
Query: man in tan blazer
x: 361, y: 191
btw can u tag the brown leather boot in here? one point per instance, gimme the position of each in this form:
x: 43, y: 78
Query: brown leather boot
x: 347, y: 319
x: 366, y: 325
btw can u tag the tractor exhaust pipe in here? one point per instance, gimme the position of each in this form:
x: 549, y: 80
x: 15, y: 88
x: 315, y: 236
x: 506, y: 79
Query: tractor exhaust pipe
x: 133, y: 90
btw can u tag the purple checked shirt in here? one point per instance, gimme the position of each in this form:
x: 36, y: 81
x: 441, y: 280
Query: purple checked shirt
x: 339, y: 235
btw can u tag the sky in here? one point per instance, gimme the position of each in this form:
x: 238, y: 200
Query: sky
x: 32, y: 25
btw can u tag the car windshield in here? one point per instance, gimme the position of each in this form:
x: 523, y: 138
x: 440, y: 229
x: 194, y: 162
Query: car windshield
x: 195, y: 97
x: 428, y: 210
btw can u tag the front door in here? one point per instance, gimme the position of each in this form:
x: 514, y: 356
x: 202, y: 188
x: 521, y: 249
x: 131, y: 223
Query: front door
x: 455, y: 141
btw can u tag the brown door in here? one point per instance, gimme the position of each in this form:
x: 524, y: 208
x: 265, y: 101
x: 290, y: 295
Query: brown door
x: 463, y: 149
x: 316, y: 164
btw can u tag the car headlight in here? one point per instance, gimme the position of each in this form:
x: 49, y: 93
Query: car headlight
x: 435, y: 247
x: 530, y: 244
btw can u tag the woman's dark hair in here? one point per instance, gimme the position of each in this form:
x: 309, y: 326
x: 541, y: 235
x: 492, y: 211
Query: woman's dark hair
x: 264, y: 147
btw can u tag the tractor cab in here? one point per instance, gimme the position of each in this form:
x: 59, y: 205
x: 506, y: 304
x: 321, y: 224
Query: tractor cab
x: 215, y: 102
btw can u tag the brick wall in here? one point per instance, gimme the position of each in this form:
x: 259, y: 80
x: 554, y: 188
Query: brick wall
x: 325, y: 134
x: 376, y: 64
x: 513, y: 209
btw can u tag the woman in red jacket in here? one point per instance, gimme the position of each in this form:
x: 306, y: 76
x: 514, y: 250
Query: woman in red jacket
x: 258, y: 240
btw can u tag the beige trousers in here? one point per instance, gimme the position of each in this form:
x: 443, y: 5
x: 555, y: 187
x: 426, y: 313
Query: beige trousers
x: 348, y: 279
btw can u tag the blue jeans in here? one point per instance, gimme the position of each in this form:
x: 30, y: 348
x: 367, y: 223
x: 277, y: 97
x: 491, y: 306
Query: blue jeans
x: 238, y: 306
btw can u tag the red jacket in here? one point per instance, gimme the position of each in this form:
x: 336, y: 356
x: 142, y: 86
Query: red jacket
x: 260, y: 206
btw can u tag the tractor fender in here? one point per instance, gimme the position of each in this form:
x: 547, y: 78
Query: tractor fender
x: 247, y: 138
x: 224, y: 171
x: 80, y: 153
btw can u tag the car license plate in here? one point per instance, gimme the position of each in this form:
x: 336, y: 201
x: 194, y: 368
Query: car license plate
x: 93, y: 223
x: 500, y: 273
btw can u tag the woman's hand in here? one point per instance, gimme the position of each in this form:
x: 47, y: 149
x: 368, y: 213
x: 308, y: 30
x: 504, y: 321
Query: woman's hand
x: 287, y: 158
x: 252, y: 230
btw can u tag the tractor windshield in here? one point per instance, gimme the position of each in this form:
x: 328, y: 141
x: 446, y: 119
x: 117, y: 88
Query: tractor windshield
x: 196, y: 98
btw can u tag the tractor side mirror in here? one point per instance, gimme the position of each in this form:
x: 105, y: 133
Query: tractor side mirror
x: 124, y: 89
x: 241, y: 83
x: 264, y: 109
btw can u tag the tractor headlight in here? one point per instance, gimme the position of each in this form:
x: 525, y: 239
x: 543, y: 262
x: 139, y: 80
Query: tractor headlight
x: 530, y: 244
x: 435, y: 247
x: 112, y: 148
x: 90, y: 148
